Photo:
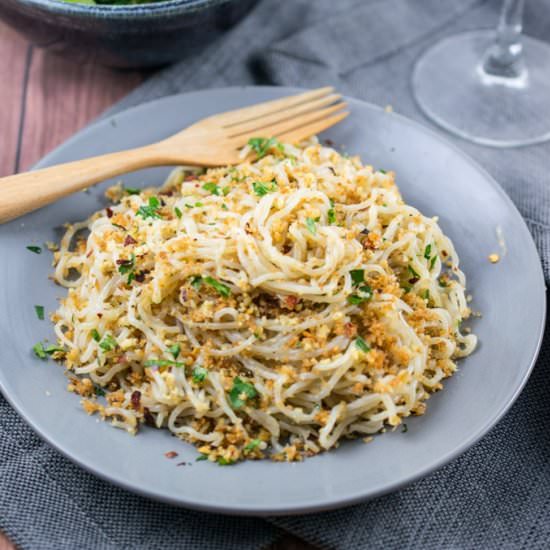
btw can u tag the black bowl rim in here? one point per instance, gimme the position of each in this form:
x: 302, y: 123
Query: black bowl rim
x: 137, y: 11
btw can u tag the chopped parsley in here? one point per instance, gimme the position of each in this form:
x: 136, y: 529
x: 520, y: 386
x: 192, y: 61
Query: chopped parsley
x: 95, y: 335
x: 127, y: 267
x: 222, y: 289
x: 202, y: 457
x: 163, y: 363
x: 178, y: 212
x: 42, y: 350
x: 35, y: 249
x: 224, y: 461
x: 211, y: 187
x: 252, y: 445
x: 429, y: 257
x: 331, y: 216
x: 311, y: 224
x: 199, y: 374
x: 39, y: 350
x: 382, y: 171
x: 196, y: 282
x: 132, y: 190
x: 108, y: 343
x: 226, y: 190
x: 175, y: 350
x: 362, y: 345
x: 425, y: 294
x: 151, y: 210
x: 241, y: 392
x: 262, y: 188
x: 363, y: 294
x: 261, y: 146
x: 39, y: 312
x: 357, y: 276
x: 100, y: 392
x: 404, y: 428
x: 413, y: 272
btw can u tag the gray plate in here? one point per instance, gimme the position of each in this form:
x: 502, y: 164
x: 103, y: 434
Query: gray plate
x: 434, y: 176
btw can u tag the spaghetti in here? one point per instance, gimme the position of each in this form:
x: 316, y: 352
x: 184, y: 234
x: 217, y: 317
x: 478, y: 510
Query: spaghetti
x: 267, y: 309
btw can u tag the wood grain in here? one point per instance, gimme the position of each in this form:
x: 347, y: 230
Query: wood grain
x: 62, y: 97
x: 5, y: 544
x: 213, y: 141
x: 13, y: 56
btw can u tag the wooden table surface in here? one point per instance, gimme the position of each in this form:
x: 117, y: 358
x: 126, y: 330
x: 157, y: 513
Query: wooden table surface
x: 45, y: 100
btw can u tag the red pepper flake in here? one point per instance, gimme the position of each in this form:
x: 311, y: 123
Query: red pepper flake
x: 100, y: 315
x: 290, y: 302
x: 171, y: 454
x: 350, y: 330
x: 129, y: 240
x: 414, y: 280
x: 136, y: 400
x: 140, y: 277
x: 148, y: 417
x: 109, y: 212
x: 329, y: 142
x: 190, y: 177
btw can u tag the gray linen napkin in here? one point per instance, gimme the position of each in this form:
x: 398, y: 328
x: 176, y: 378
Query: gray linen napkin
x: 497, y: 495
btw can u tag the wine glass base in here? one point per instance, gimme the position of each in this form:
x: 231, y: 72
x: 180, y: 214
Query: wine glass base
x: 453, y: 89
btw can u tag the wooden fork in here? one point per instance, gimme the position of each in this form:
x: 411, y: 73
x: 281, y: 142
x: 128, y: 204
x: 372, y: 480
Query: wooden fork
x: 213, y: 141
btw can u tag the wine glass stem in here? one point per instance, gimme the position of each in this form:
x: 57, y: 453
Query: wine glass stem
x: 505, y: 58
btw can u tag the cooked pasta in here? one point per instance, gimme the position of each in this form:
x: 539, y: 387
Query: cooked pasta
x: 267, y: 309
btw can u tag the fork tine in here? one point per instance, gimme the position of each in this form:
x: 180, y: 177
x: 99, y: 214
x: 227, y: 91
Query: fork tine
x: 273, y: 118
x: 303, y: 132
x: 267, y: 107
x: 289, y: 124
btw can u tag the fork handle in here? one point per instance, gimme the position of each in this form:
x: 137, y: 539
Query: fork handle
x: 28, y: 191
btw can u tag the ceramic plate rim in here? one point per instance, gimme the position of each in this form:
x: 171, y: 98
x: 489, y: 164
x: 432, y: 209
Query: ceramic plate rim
x: 362, y: 494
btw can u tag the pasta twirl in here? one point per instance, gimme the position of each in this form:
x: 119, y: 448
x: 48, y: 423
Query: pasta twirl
x: 267, y: 309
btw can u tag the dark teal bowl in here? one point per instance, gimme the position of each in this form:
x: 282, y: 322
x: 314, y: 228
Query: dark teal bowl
x: 144, y: 35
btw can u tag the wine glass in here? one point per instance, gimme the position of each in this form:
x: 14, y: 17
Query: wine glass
x: 486, y: 87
